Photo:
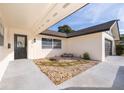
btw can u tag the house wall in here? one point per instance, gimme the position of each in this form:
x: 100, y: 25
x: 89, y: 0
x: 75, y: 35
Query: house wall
x: 94, y: 44
x: 7, y: 55
x: 91, y: 43
x: 13, y: 31
x: 36, y: 50
x: 4, y: 57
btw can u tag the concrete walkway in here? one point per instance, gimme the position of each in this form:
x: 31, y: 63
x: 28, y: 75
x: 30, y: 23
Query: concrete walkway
x: 24, y: 74
x: 106, y: 75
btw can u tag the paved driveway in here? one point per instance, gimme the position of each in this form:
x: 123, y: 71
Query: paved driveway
x: 106, y: 75
x: 23, y: 74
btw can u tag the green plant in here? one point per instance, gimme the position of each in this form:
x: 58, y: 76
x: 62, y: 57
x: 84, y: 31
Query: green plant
x: 86, y: 56
x: 65, y: 29
x: 119, y: 49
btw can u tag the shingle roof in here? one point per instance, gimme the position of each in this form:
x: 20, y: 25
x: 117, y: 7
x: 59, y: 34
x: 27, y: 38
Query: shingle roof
x: 97, y: 28
x: 53, y: 33
x: 93, y: 29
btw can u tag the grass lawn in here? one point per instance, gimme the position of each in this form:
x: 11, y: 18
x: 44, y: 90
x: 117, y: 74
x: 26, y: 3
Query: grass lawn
x: 58, y: 72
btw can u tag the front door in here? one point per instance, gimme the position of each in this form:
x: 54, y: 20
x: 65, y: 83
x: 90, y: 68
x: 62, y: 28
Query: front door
x: 20, y: 46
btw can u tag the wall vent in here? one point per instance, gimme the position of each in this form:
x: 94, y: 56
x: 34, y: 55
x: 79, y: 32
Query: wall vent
x: 65, y: 5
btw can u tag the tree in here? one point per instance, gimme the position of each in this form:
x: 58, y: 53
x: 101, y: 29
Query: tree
x: 122, y: 37
x: 65, y: 29
x: 119, y: 49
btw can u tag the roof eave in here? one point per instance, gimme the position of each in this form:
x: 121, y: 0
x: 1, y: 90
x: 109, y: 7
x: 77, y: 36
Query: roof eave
x: 52, y: 35
x: 88, y: 33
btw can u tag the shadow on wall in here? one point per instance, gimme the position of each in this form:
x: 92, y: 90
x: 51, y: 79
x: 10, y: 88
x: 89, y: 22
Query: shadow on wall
x: 5, y: 58
x: 5, y: 53
x: 118, y: 83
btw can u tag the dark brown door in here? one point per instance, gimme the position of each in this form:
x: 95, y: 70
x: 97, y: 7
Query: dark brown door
x: 108, y: 47
x: 20, y: 46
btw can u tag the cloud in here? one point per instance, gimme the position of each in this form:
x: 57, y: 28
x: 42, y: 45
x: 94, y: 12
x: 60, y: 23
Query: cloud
x: 89, y: 14
x: 96, y: 11
x: 93, y: 14
x: 122, y: 31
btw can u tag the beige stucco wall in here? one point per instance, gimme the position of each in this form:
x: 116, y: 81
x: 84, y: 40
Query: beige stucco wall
x: 7, y: 55
x: 36, y: 50
x: 3, y: 49
x: 13, y: 31
x: 92, y: 43
x: 88, y: 43
x: 4, y: 57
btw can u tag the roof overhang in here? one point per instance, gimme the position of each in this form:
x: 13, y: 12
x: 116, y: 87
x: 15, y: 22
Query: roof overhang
x: 37, y: 16
x: 110, y: 25
x: 115, y: 30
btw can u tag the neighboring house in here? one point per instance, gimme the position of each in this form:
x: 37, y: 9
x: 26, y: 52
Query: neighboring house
x: 98, y: 41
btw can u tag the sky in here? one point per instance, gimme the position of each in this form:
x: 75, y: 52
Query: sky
x: 93, y: 14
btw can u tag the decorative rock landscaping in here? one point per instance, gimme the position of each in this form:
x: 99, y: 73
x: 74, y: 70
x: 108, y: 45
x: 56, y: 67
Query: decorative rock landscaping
x: 58, y: 72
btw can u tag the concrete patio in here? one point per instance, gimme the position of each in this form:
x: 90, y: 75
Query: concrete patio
x: 24, y: 74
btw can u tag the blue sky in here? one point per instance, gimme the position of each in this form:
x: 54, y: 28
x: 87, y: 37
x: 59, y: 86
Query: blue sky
x: 93, y: 14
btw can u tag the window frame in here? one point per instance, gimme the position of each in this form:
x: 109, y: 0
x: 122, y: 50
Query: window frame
x: 52, y: 45
x: 55, y: 46
x: 45, y: 44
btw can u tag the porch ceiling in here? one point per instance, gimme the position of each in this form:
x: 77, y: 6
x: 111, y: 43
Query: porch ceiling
x: 36, y: 17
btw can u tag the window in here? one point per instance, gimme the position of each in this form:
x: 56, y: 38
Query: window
x: 51, y: 43
x: 1, y: 35
x: 56, y: 43
x: 21, y: 42
x: 46, y: 43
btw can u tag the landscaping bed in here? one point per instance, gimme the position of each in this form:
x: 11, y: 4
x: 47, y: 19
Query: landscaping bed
x: 58, y: 72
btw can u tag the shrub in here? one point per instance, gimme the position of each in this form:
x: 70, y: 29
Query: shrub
x: 86, y: 56
x: 52, y: 59
x: 119, y: 49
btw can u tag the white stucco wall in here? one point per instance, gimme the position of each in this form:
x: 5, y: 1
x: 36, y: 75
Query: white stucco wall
x: 7, y: 55
x: 3, y: 49
x: 94, y: 44
x: 90, y: 43
x: 36, y: 50
x: 4, y: 57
